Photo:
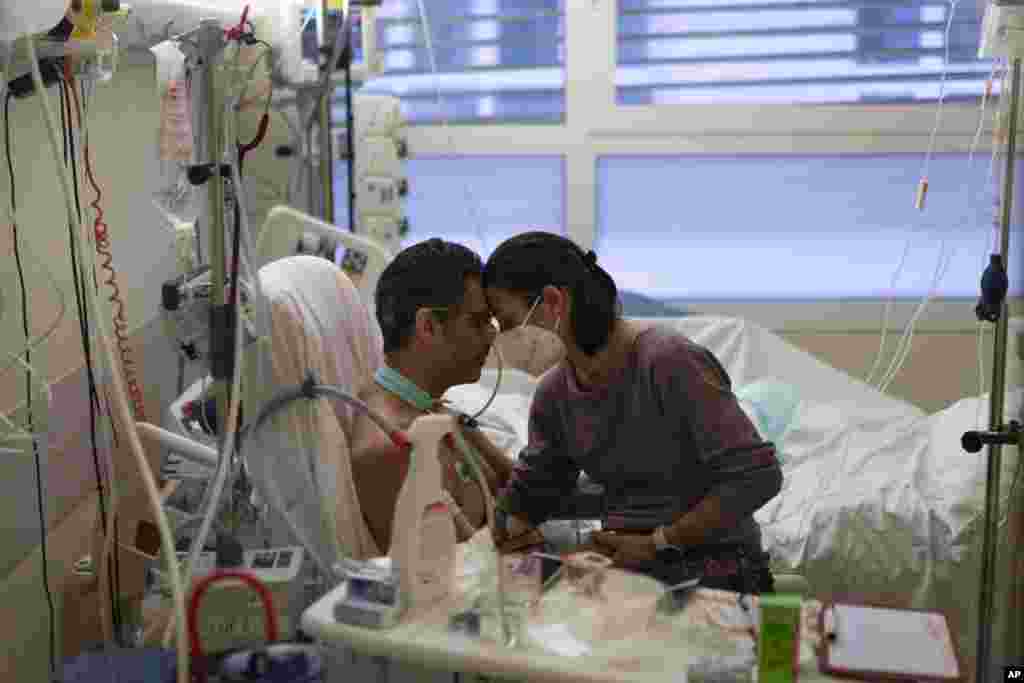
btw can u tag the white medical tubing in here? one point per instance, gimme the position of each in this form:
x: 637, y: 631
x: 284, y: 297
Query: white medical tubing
x: 16, y: 433
x: 924, y: 179
x: 431, y: 56
x: 942, y: 91
x: 467, y: 455
x: 12, y: 218
x: 887, y: 312
x: 903, y: 348
x: 35, y: 343
x: 120, y: 396
x: 497, y: 383
x: 941, y: 267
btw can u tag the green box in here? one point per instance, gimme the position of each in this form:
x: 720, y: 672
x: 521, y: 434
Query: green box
x: 778, y: 647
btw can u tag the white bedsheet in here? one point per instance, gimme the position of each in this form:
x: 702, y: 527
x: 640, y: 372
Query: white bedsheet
x: 879, y: 504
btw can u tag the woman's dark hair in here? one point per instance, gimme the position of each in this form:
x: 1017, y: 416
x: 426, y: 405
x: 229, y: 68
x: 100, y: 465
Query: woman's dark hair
x: 528, y: 262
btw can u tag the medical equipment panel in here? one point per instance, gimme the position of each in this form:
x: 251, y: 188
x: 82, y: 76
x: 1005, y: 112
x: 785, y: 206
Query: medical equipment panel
x: 380, y: 182
x: 230, y: 618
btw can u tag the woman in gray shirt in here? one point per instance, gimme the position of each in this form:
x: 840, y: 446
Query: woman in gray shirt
x: 646, y: 413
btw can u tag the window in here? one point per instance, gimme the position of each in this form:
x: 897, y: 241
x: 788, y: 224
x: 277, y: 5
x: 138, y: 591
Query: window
x: 782, y: 51
x: 497, y: 60
x: 771, y: 227
x: 467, y: 199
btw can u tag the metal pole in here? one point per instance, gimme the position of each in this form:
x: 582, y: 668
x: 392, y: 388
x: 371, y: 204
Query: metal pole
x: 350, y: 139
x: 997, y: 399
x: 311, y: 204
x: 211, y: 42
x: 326, y: 158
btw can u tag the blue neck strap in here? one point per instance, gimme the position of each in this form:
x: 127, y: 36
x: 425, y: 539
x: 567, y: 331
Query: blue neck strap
x: 395, y: 382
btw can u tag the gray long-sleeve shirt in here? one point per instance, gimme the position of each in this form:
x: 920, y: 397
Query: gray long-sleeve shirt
x: 665, y: 433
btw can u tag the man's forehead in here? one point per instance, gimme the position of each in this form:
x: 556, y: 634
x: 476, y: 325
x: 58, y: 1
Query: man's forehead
x: 474, y: 302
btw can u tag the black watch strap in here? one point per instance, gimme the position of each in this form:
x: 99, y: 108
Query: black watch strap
x: 669, y: 553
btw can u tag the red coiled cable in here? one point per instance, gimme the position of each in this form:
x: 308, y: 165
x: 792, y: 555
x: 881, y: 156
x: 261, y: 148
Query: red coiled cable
x: 102, y: 236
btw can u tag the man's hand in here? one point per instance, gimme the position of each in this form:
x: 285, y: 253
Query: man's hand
x: 628, y: 551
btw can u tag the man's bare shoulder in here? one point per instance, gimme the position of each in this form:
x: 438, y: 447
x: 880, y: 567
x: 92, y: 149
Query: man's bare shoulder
x: 371, y: 446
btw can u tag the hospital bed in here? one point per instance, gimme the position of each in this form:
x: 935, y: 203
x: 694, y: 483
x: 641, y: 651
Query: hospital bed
x: 880, y: 504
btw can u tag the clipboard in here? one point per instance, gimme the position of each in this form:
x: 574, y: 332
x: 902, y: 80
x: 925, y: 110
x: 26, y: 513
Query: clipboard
x: 887, y: 644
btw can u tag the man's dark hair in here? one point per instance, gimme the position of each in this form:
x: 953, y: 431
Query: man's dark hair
x: 425, y: 275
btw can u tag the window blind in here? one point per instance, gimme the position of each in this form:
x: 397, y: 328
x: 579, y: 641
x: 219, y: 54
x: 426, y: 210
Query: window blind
x: 498, y: 60
x: 467, y: 199
x: 806, y: 227
x: 797, y: 52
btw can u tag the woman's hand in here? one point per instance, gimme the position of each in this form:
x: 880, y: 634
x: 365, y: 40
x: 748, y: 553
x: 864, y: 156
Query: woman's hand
x: 628, y: 551
x: 516, y: 535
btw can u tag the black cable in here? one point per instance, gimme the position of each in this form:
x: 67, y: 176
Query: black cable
x: 115, y: 577
x: 28, y: 391
x: 350, y: 160
x: 80, y: 282
x: 63, y: 121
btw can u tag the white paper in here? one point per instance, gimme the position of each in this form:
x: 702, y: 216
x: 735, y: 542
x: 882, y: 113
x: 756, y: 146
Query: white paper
x: 557, y: 638
x: 890, y: 641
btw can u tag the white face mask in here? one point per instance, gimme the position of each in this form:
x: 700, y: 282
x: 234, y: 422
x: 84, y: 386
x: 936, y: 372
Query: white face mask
x: 529, y: 314
x: 534, y: 349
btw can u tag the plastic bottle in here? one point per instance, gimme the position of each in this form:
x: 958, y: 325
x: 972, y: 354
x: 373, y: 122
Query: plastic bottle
x: 423, y: 534
x: 175, y: 123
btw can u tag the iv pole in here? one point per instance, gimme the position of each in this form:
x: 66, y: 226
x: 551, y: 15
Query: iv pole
x: 992, y: 308
x: 209, y: 42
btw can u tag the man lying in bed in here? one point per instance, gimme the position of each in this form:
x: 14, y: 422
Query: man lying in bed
x: 437, y: 334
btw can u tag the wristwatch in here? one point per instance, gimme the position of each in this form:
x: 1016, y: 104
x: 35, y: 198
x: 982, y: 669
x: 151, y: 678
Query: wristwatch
x: 501, y: 520
x: 663, y: 550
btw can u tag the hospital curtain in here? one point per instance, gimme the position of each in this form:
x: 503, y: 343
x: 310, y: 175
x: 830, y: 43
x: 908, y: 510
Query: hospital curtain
x: 498, y: 60
x: 797, y: 51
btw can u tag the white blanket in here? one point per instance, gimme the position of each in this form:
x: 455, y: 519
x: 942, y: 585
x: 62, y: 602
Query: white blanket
x: 879, y: 503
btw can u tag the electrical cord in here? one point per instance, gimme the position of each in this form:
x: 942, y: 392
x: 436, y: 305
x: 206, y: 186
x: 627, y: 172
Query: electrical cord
x: 112, y: 537
x: 111, y: 626
x: 28, y: 392
x: 101, y: 233
x: 120, y: 394
x: 84, y: 327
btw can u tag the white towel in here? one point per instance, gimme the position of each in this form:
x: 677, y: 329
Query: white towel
x: 319, y: 324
